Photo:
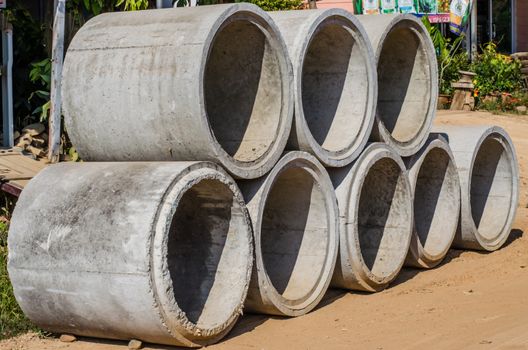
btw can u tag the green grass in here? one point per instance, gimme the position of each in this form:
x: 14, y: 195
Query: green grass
x: 12, y: 320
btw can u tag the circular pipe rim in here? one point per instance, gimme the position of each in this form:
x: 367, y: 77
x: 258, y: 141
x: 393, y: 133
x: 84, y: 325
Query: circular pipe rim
x: 502, y: 137
x: 305, y: 305
x: 174, y: 318
x: 356, y: 30
x: 421, y: 257
x: 373, y: 153
x: 408, y: 148
x: 254, y: 15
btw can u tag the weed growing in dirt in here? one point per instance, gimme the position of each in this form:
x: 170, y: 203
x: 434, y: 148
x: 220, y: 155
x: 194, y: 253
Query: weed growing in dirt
x: 12, y: 320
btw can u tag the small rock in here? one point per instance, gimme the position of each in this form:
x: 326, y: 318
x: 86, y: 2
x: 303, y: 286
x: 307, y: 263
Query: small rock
x: 521, y: 109
x: 67, y: 338
x: 24, y: 141
x: 34, y: 129
x: 39, y: 142
x: 135, y: 344
x: 37, y: 152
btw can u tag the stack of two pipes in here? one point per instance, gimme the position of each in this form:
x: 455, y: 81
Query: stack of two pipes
x: 237, y: 160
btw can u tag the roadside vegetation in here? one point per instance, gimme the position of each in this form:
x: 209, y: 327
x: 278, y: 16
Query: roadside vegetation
x: 12, y: 320
x: 498, y: 82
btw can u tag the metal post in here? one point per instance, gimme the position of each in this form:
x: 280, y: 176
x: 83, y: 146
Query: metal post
x: 7, y: 82
x: 57, y: 55
x: 473, y: 29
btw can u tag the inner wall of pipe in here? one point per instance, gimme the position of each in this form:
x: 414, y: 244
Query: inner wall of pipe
x: 334, y: 86
x: 384, y: 214
x: 294, y: 234
x: 491, y: 188
x: 243, y: 90
x: 404, y: 84
x: 207, y: 267
x: 435, y: 210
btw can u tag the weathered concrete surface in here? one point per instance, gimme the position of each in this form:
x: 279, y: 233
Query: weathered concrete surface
x: 407, y: 81
x: 489, y: 183
x: 201, y: 83
x: 295, y: 225
x: 335, y: 83
x: 376, y: 219
x: 159, y: 252
x: 436, y: 194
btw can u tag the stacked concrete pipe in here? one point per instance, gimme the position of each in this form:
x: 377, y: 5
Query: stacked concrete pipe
x: 489, y: 182
x: 295, y: 225
x: 199, y: 83
x: 436, y: 194
x: 335, y: 83
x: 160, y: 252
x: 376, y: 219
x: 407, y: 81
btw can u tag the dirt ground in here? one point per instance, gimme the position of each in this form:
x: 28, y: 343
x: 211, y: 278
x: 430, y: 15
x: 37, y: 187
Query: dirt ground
x: 473, y: 300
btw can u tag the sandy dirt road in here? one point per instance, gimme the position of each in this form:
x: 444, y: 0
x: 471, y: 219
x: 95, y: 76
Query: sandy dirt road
x: 473, y: 300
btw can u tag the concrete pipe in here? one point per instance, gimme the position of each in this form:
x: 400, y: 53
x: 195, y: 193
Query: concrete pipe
x: 160, y: 252
x: 196, y: 83
x: 407, y: 81
x: 295, y: 221
x: 335, y: 84
x: 376, y: 219
x: 489, y: 182
x: 436, y: 190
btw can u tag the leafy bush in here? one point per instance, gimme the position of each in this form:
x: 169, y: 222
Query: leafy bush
x: 495, y: 72
x: 449, y: 55
x: 276, y: 5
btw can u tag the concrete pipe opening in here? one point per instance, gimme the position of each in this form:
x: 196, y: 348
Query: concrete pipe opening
x: 434, y: 176
x: 383, y: 215
x: 296, y: 238
x: 407, y: 81
x: 166, y: 259
x: 206, y: 270
x: 375, y: 208
x: 337, y: 81
x: 243, y: 89
x: 334, y: 82
x: 489, y: 184
x: 491, y: 189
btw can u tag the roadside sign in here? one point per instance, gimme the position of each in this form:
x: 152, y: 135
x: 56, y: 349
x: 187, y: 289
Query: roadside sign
x: 3, y: 4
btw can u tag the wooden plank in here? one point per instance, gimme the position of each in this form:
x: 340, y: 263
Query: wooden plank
x: 16, y: 170
x: 56, y: 79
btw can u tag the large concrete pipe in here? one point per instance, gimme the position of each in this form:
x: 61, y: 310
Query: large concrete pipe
x: 295, y: 221
x: 160, y: 252
x: 407, y: 81
x: 200, y: 83
x: 335, y: 83
x: 489, y: 183
x: 436, y: 191
x: 376, y: 219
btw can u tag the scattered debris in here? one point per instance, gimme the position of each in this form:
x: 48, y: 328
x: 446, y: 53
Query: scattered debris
x: 33, y: 140
x: 135, y: 344
x: 67, y: 338
x: 521, y: 109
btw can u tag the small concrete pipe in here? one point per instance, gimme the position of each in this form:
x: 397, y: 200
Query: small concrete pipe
x: 160, y: 252
x: 407, y: 81
x: 489, y: 183
x: 436, y: 194
x: 376, y: 219
x: 295, y: 221
x: 196, y: 83
x: 335, y: 83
